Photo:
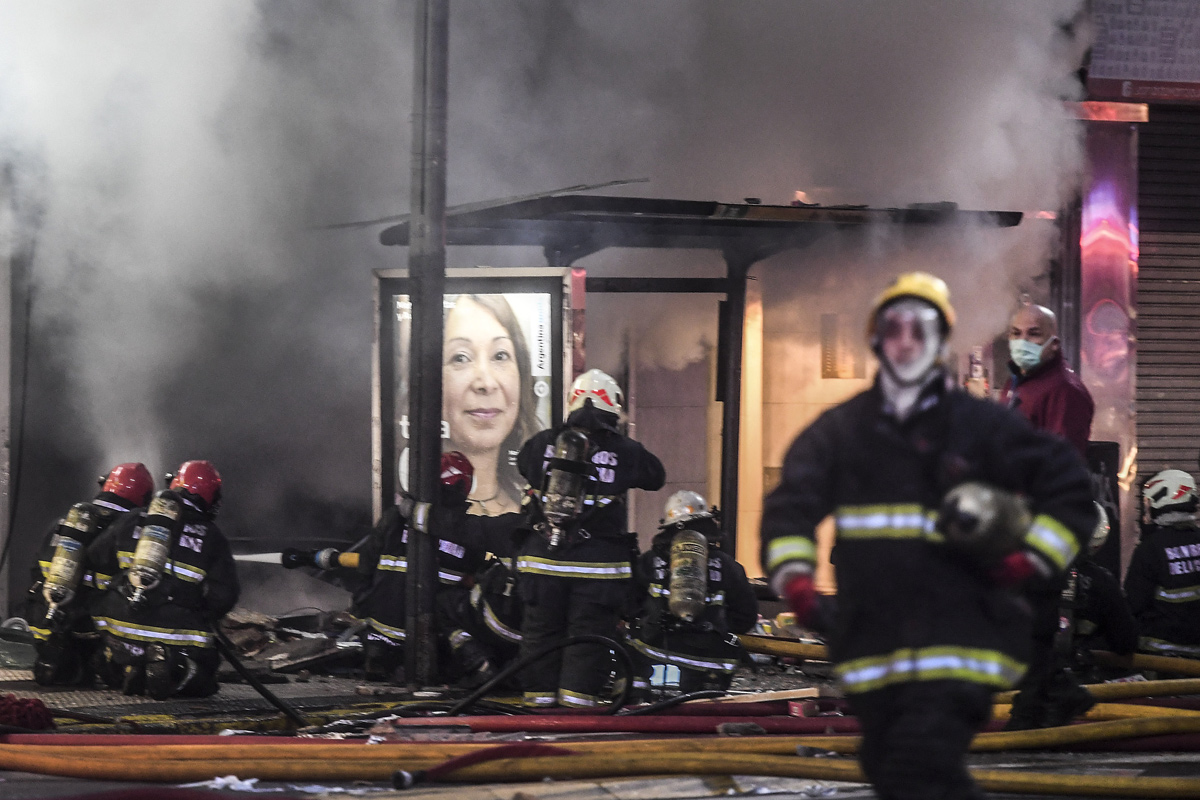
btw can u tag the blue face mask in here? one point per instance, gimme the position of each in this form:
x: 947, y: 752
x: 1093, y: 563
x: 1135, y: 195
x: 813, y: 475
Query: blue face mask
x: 1025, y: 354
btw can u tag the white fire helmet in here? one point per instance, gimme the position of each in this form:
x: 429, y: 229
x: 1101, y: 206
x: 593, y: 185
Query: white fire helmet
x: 1170, y: 490
x: 920, y: 322
x: 598, y: 387
x: 685, y: 506
x: 1100, y: 532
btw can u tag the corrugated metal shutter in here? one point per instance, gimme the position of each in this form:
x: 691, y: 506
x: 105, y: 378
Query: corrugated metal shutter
x: 1168, y: 291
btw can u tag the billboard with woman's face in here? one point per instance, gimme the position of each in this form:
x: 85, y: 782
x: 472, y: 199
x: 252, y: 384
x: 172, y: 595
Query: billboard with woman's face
x: 502, y: 368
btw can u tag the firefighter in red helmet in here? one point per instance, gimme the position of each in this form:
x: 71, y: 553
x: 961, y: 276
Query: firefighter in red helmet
x: 380, y: 579
x: 64, y: 588
x: 174, y: 578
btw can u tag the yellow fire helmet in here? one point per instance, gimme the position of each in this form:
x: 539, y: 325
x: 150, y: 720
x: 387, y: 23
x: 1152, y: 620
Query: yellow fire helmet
x: 921, y: 285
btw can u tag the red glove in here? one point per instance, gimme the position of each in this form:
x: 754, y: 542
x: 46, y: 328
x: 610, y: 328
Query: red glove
x: 801, y: 596
x: 1015, y: 568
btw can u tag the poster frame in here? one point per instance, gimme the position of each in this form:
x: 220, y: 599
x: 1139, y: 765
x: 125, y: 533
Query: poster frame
x: 478, y: 280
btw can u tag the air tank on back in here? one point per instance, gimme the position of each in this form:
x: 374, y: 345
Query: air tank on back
x: 153, y: 549
x: 566, y: 483
x: 66, y: 566
x: 689, y: 575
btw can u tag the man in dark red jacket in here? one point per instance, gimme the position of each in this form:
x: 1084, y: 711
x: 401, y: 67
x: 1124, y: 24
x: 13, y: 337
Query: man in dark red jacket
x: 1043, y: 388
x: 1050, y: 395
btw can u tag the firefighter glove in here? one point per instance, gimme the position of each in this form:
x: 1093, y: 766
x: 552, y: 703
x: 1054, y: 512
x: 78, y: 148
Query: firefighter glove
x: 800, y: 592
x: 1018, y: 567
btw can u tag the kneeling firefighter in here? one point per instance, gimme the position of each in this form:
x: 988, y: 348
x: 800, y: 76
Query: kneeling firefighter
x: 64, y: 588
x: 697, y: 598
x: 175, y: 578
x: 574, y: 565
x: 929, y: 621
x: 380, y: 564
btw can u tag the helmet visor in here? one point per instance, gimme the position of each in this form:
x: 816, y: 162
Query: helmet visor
x: 909, y: 336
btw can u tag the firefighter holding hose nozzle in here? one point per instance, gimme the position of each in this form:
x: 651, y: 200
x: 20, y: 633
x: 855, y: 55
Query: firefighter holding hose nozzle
x: 174, y: 579
x: 64, y: 586
x: 944, y: 505
x: 377, y: 570
x: 697, y: 598
x: 575, y: 564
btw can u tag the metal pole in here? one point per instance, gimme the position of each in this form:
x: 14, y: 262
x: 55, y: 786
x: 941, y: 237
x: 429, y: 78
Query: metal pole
x: 427, y: 268
x: 731, y: 373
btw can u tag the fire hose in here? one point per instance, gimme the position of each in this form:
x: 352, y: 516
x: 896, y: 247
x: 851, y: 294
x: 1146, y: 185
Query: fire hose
x: 578, y: 761
x: 792, y: 648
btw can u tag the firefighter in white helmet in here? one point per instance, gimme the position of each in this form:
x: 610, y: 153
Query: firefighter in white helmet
x: 928, y: 620
x: 575, y: 565
x: 1163, y: 581
x: 696, y: 598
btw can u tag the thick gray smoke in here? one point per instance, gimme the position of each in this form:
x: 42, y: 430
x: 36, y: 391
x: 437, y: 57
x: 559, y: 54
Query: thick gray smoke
x: 170, y: 159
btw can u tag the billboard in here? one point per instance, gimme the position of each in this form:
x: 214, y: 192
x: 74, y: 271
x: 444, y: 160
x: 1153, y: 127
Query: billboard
x: 503, y: 362
x: 1146, y: 51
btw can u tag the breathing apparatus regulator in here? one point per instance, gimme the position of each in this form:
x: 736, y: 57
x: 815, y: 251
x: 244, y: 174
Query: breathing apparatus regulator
x: 66, y: 567
x: 684, y: 513
x: 565, y: 485
x: 983, y: 522
x: 153, y: 549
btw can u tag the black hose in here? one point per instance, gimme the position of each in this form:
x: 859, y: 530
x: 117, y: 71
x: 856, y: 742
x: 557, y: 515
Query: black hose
x: 671, y: 702
x: 520, y: 664
x: 226, y: 649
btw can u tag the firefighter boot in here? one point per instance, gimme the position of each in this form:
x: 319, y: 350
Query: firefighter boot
x: 169, y: 672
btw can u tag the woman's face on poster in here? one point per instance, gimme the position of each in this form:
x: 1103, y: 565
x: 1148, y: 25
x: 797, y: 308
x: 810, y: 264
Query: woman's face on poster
x: 481, y: 383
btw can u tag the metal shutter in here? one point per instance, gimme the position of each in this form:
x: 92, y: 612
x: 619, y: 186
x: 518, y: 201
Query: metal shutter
x: 1168, y: 291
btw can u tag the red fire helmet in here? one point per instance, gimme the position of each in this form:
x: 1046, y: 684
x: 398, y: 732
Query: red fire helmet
x: 130, y: 481
x: 200, y: 478
x: 457, y: 472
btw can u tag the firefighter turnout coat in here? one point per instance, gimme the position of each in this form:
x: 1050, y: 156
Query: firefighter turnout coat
x: 708, y: 643
x: 1163, y: 587
x: 909, y: 608
x: 199, y: 582
x: 106, y: 508
x: 383, y: 561
x: 601, y: 548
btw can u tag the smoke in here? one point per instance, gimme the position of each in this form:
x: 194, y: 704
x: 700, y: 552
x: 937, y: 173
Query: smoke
x: 878, y: 103
x: 168, y: 162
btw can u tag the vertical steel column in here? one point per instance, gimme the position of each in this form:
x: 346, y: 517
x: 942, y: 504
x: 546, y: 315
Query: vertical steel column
x: 427, y: 268
x: 737, y: 269
x: 8, y: 258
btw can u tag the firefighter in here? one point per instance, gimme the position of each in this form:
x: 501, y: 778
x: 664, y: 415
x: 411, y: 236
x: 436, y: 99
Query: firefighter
x: 380, y: 598
x: 1091, y: 614
x: 1163, y: 581
x: 575, y: 565
x: 63, y: 588
x: 174, y: 579
x: 1102, y: 617
x: 697, y: 598
x: 922, y: 480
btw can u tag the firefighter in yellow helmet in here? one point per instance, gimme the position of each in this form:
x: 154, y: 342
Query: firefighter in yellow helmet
x: 929, y: 621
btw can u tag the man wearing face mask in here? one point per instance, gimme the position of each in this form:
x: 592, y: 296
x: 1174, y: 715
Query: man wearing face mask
x: 927, y: 624
x: 1043, y: 388
x: 1050, y: 395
